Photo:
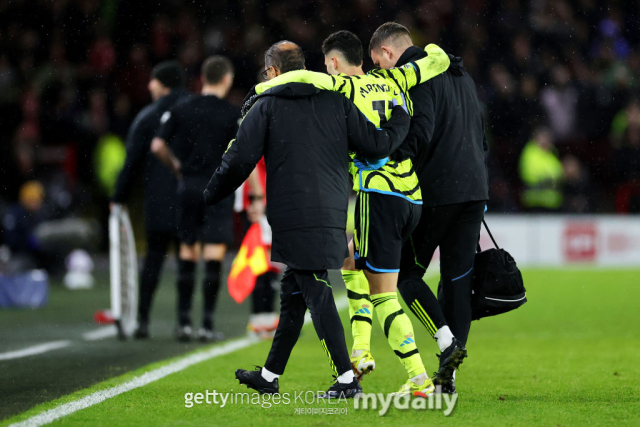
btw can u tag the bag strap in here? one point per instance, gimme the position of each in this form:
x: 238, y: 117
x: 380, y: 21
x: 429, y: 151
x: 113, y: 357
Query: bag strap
x: 490, y: 235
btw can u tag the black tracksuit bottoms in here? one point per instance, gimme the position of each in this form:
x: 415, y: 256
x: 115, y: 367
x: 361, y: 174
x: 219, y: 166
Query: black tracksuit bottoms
x: 157, y: 245
x: 455, y: 229
x: 302, y: 289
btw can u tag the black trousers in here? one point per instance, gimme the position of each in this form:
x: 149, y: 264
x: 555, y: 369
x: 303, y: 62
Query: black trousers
x: 157, y: 245
x: 300, y: 290
x: 455, y: 229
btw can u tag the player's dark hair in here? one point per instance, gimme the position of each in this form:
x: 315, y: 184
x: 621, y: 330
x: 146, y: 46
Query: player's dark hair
x: 215, y: 68
x: 347, y: 43
x: 387, y: 32
x: 284, y: 55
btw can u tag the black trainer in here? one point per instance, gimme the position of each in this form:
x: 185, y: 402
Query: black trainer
x: 447, y: 387
x: 254, y: 380
x: 450, y: 359
x: 142, y: 332
x: 342, y: 391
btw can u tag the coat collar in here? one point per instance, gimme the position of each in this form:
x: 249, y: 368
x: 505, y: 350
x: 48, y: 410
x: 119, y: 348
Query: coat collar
x: 413, y: 53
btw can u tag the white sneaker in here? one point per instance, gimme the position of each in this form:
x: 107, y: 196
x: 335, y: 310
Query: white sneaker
x: 183, y: 333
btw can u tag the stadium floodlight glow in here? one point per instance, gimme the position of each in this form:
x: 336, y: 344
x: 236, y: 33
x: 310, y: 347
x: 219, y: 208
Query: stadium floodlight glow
x: 123, y: 265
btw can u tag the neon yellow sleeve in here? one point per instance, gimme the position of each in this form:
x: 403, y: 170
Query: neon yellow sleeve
x: 428, y: 67
x: 437, y: 62
x: 320, y: 80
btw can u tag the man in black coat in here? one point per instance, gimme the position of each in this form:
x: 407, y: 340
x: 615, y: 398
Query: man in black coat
x: 305, y: 136
x: 191, y: 140
x: 449, y: 149
x: 166, y: 90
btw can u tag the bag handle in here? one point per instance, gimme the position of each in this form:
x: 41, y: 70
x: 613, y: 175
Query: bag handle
x: 490, y: 235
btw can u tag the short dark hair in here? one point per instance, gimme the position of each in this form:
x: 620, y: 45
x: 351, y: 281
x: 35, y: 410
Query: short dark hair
x: 388, y: 31
x: 347, y: 44
x: 215, y: 68
x: 170, y: 73
x: 287, y: 58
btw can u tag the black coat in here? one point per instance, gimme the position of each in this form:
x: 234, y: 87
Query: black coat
x: 446, y: 140
x: 160, y: 184
x: 305, y: 136
x: 198, y: 131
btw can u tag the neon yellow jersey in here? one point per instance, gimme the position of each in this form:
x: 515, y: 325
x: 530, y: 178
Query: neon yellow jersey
x: 375, y: 95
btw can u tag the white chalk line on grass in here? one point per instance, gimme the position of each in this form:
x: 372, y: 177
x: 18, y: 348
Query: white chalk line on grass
x: 36, y: 349
x: 100, y: 333
x: 97, y: 334
x: 148, y: 377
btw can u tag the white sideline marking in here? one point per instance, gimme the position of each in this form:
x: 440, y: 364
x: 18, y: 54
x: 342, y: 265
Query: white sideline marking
x: 100, y: 333
x: 97, y: 334
x: 147, y: 378
x: 36, y: 349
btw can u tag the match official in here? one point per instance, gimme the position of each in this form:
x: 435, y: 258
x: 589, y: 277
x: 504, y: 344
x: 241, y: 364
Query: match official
x: 305, y: 136
x: 198, y: 132
x: 166, y: 90
x: 449, y: 149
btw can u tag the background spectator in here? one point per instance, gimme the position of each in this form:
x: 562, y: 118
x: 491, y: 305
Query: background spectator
x: 542, y: 174
x: 19, y: 224
x: 73, y: 71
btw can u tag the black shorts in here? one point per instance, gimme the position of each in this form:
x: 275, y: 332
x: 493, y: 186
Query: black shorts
x: 382, y: 224
x: 198, y: 222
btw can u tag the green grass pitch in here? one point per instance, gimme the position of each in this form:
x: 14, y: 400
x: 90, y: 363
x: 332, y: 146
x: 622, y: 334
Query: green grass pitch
x: 567, y: 357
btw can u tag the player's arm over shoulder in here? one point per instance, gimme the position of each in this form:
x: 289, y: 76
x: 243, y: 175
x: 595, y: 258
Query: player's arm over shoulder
x: 320, y: 80
x: 412, y: 73
x: 436, y: 62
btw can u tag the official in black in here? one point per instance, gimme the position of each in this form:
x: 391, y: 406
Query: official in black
x: 305, y: 136
x: 449, y: 149
x: 166, y: 90
x: 191, y: 140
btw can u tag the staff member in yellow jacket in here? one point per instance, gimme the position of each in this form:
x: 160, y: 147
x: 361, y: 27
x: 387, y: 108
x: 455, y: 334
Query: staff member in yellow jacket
x: 542, y: 173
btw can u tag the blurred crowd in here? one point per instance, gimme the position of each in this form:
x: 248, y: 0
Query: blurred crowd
x: 558, y: 81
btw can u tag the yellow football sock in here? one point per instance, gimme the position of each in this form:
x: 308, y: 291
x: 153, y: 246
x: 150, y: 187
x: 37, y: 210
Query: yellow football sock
x: 360, y: 308
x: 399, y: 331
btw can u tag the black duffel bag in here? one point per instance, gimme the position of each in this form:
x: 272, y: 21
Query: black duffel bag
x: 497, y: 285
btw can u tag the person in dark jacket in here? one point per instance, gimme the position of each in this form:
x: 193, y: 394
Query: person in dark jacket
x: 305, y: 136
x: 191, y: 140
x: 449, y: 149
x: 166, y: 90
